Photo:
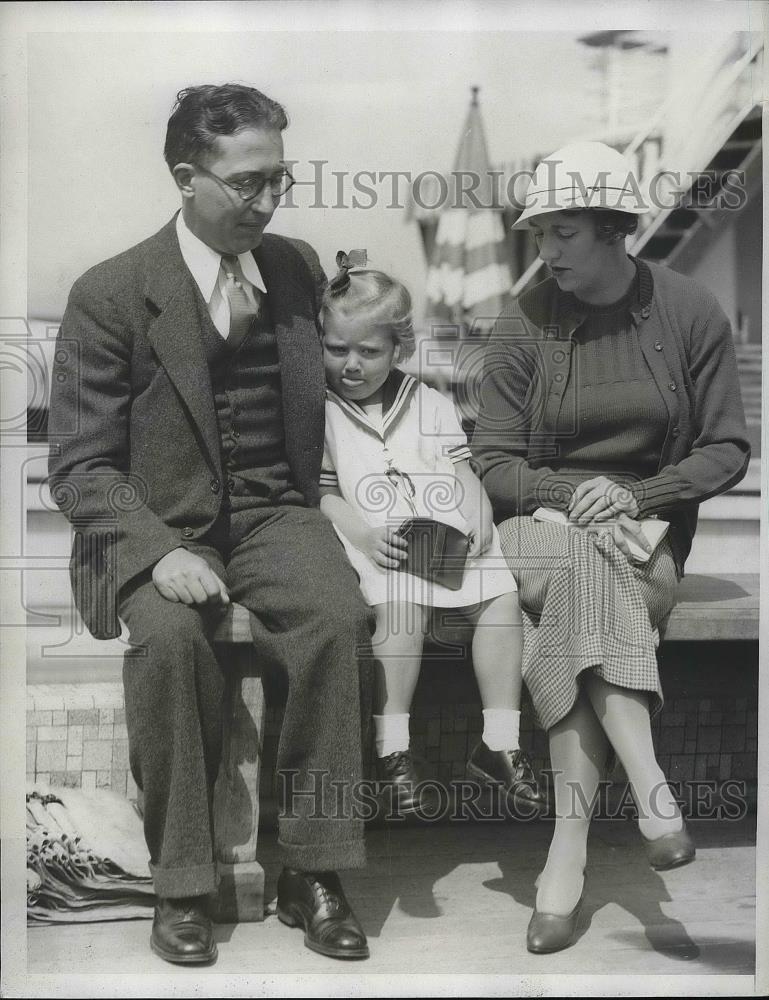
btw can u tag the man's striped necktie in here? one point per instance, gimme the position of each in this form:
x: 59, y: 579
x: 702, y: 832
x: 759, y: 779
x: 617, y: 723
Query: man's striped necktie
x: 242, y: 312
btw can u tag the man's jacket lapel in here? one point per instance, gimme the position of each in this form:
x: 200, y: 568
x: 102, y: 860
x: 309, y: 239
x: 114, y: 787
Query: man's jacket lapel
x: 301, y: 365
x: 175, y: 336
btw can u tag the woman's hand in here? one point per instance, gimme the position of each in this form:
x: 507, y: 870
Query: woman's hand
x: 382, y: 545
x: 623, y: 527
x: 601, y: 499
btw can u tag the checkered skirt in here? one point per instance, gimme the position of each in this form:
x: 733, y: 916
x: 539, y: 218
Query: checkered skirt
x: 585, y: 607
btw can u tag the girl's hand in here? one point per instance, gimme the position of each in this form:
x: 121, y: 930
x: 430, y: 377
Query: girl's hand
x: 601, y: 499
x: 384, y: 546
x: 480, y: 535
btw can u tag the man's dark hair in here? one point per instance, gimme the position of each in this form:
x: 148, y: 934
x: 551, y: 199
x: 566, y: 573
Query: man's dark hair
x: 201, y: 114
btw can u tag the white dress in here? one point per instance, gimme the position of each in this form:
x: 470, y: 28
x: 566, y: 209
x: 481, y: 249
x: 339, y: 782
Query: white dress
x: 418, y: 438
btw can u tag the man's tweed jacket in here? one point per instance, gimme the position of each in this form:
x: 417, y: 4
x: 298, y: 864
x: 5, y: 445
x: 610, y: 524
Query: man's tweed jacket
x: 135, y: 453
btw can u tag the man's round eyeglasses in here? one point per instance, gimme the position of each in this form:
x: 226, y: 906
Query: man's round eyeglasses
x: 253, y: 186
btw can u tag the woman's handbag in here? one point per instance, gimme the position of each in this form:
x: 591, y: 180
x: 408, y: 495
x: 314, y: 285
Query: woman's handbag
x: 436, y: 551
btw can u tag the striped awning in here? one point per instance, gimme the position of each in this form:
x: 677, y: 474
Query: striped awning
x: 469, y: 276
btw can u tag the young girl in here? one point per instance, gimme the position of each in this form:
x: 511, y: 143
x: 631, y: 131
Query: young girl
x: 394, y: 449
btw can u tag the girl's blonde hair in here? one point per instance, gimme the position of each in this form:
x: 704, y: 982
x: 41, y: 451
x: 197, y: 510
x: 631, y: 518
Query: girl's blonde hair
x: 376, y: 298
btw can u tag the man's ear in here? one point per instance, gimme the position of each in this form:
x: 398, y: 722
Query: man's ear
x: 397, y: 354
x: 184, y: 176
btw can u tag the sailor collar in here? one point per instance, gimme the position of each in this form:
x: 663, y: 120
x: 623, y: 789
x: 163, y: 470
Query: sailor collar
x: 396, y: 394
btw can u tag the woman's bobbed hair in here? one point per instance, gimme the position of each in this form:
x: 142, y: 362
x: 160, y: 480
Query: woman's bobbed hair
x: 612, y: 225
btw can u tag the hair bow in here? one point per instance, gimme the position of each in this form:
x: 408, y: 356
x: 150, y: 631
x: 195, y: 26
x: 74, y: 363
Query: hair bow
x: 355, y: 258
x: 346, y: 262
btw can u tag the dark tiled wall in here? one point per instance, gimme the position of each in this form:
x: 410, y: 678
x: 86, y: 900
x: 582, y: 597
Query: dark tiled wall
x: 708, y: 728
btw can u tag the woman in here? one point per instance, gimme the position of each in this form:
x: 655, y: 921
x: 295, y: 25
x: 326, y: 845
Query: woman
x: 609, y: 393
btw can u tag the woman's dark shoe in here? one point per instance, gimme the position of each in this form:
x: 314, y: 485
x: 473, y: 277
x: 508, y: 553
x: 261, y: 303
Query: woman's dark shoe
x: 316, y: 902
x: 402, y: 790
x: 548, y: 932
x: 182, y: 931
x: 509, y: 768
x: 671, y: 850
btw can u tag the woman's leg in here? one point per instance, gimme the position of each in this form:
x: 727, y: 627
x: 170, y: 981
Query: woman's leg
x: 624, y: 715
x: 578, y: 750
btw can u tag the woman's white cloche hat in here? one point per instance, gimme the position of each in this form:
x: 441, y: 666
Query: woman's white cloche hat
x: 583, y: 175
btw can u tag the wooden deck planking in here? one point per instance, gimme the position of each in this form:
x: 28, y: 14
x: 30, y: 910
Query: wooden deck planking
x: 451, y: 899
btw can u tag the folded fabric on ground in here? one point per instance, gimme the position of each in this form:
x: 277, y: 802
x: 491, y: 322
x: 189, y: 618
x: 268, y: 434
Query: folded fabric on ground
x: 86, y: 857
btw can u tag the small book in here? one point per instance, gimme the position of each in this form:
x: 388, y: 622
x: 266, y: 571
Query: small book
x: 653, y: 530
x: 436, y: 551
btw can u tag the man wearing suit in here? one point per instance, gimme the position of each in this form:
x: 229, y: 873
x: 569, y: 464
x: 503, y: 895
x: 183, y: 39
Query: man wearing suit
x: 186, y: 440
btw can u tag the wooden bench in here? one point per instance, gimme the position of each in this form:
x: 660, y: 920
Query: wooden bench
x: 715, y: 608
x: 236, y: 795
x: 709, y: 608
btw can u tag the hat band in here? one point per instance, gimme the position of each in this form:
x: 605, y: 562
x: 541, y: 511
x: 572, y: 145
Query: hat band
x: 589, y: 197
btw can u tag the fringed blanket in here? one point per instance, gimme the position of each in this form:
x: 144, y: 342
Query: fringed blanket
x: 86, y: 857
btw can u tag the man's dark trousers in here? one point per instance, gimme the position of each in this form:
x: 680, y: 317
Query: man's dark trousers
x: 287, y: 566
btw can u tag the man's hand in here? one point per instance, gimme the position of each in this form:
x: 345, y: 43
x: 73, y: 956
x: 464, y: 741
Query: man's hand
x: 601, y: 499
x: 181, y: 576
x: 384, y: 546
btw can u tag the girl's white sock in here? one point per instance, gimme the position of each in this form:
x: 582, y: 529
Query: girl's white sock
x: 392, y: 733
x: 501, y: 728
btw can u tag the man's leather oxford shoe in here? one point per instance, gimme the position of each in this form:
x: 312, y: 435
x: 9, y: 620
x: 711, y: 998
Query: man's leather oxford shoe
x: 316, y: 902
x: 182, y: 931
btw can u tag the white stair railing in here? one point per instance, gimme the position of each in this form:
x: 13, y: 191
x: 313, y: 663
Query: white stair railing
x: 728, y: 101
x: 711, y: 132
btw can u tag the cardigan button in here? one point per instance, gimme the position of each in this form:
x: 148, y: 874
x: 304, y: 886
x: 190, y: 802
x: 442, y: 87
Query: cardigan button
x: 187, y: 532
x: 672, y: 385
x: 646, y: 312
x: 559, y: 377
x: 658, y: 346
x: 676, y: 432
x: 215, y: 485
